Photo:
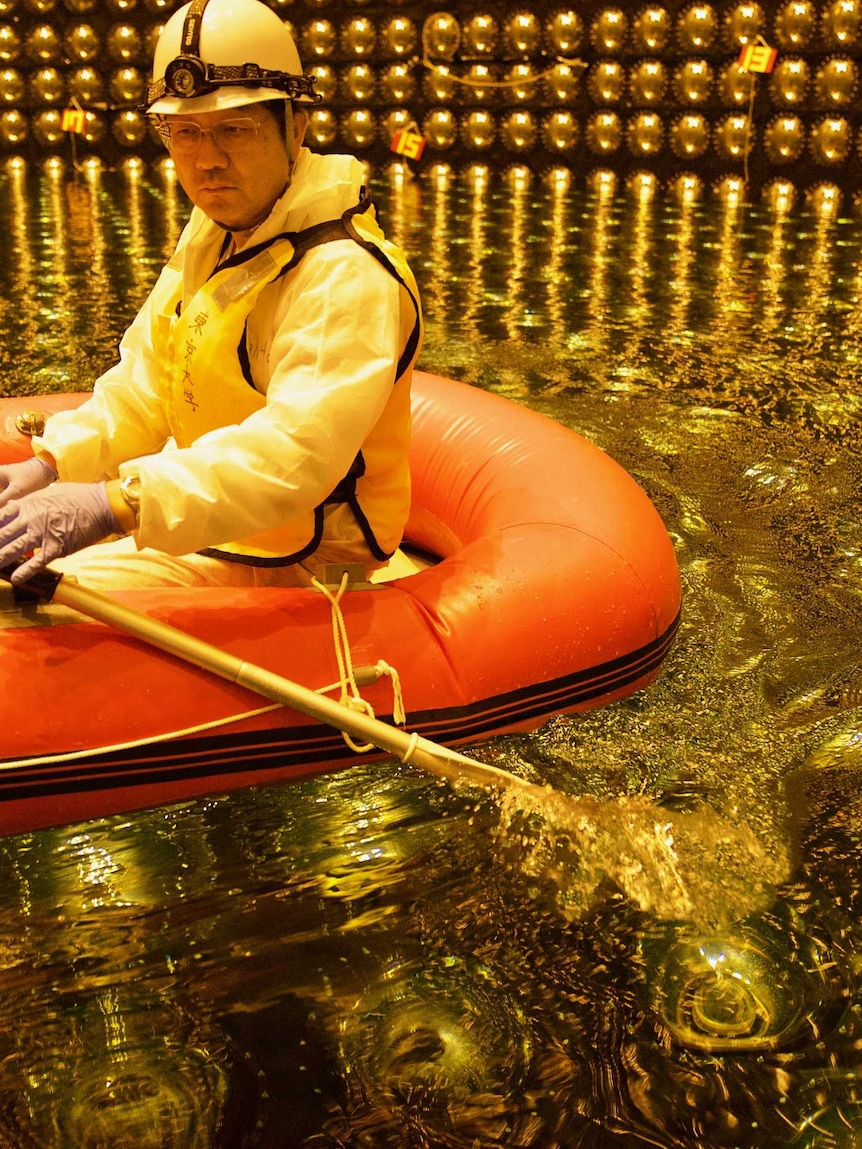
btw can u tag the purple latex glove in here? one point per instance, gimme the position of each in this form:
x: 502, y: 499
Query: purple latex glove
x: 20, y: 479
x: 59, y: 521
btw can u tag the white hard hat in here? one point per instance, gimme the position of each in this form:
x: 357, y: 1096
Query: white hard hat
x: 218, y: 54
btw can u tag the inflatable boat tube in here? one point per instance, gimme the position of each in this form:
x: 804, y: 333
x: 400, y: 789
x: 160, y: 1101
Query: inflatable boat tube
x: 548, y: 584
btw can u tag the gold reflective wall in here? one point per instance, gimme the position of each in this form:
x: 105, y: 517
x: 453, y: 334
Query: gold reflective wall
x: 763, y: 92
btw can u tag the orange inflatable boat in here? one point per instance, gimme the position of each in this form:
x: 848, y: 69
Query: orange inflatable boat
x: 547, y: 584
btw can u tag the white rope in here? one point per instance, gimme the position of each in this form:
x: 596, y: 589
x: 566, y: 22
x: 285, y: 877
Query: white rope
x: 517, y: 82
x: 350, y: 696
x: 471, y: 82
x: 347, y: 684
x: 411, y: 746
x: 152, y: 739
x: 399, y: 714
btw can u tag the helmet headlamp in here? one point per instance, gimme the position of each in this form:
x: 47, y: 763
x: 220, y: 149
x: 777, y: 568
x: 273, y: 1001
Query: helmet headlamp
x: 188, y: 77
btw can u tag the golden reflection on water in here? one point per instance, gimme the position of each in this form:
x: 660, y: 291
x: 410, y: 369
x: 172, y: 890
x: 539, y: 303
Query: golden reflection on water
x: 134, y: 218
x: 852, y: 319
x: 174, y: 210
x: 592, y: 337
x: 19, y: 306
x: 404, y: 204
x: 474, y: 271
x: 774, y: 271
x: 438, y: 263
x: 375, y: 959
x: 731, y: 283
x: 88, y: 226
x: 560, y: 236
x: 516, y: 307
x: 684, y: 255
x: 641, y: 271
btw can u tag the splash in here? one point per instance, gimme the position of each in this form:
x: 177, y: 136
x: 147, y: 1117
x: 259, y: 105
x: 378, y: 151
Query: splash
x: 693, y: 866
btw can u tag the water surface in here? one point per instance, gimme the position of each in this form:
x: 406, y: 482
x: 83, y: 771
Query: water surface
x: 377, y: 959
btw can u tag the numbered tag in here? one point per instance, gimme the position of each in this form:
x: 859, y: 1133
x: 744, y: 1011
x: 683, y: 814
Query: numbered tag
x: 73, y: 121
x: 408, y: 142
x: 757, y: 58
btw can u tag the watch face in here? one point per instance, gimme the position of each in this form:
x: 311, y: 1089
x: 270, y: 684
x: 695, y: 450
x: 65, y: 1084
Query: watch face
x: 130, y: 489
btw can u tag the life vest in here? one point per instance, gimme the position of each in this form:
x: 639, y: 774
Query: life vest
x: 205, y: 379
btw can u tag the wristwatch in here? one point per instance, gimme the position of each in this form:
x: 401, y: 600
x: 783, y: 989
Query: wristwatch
x: 130, y: 489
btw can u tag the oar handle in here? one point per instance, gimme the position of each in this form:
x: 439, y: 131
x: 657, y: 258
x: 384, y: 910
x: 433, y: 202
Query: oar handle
x: 40, y: 586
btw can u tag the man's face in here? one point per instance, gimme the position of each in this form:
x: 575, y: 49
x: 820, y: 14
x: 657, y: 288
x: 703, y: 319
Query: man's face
x: 236, y: 186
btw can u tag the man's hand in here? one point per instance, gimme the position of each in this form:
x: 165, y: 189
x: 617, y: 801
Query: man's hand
x: 20, y: 479
x: 53, y: 522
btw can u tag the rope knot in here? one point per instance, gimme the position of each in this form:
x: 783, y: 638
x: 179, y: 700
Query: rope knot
x: 349, y: 690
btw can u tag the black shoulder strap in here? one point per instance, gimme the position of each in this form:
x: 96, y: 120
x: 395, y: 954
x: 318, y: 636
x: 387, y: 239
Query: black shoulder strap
x: 319, y: 233
x: 313, y: 236
x: 413, y: 341
x: 302, y: 242
x: 342, y: 229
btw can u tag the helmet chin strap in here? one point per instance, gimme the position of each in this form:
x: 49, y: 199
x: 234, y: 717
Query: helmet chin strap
x: 289, y: 137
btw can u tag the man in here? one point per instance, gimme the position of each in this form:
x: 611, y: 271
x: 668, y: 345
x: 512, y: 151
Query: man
x: 257, y: 422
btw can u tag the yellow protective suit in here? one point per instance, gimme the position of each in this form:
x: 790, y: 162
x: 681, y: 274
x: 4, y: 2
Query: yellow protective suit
x: 324, y: 345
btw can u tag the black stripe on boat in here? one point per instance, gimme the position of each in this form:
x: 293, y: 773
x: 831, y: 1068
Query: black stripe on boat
x: 293, y: 752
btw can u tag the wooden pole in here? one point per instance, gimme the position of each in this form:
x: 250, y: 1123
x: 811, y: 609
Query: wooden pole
x: 410, y: 748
